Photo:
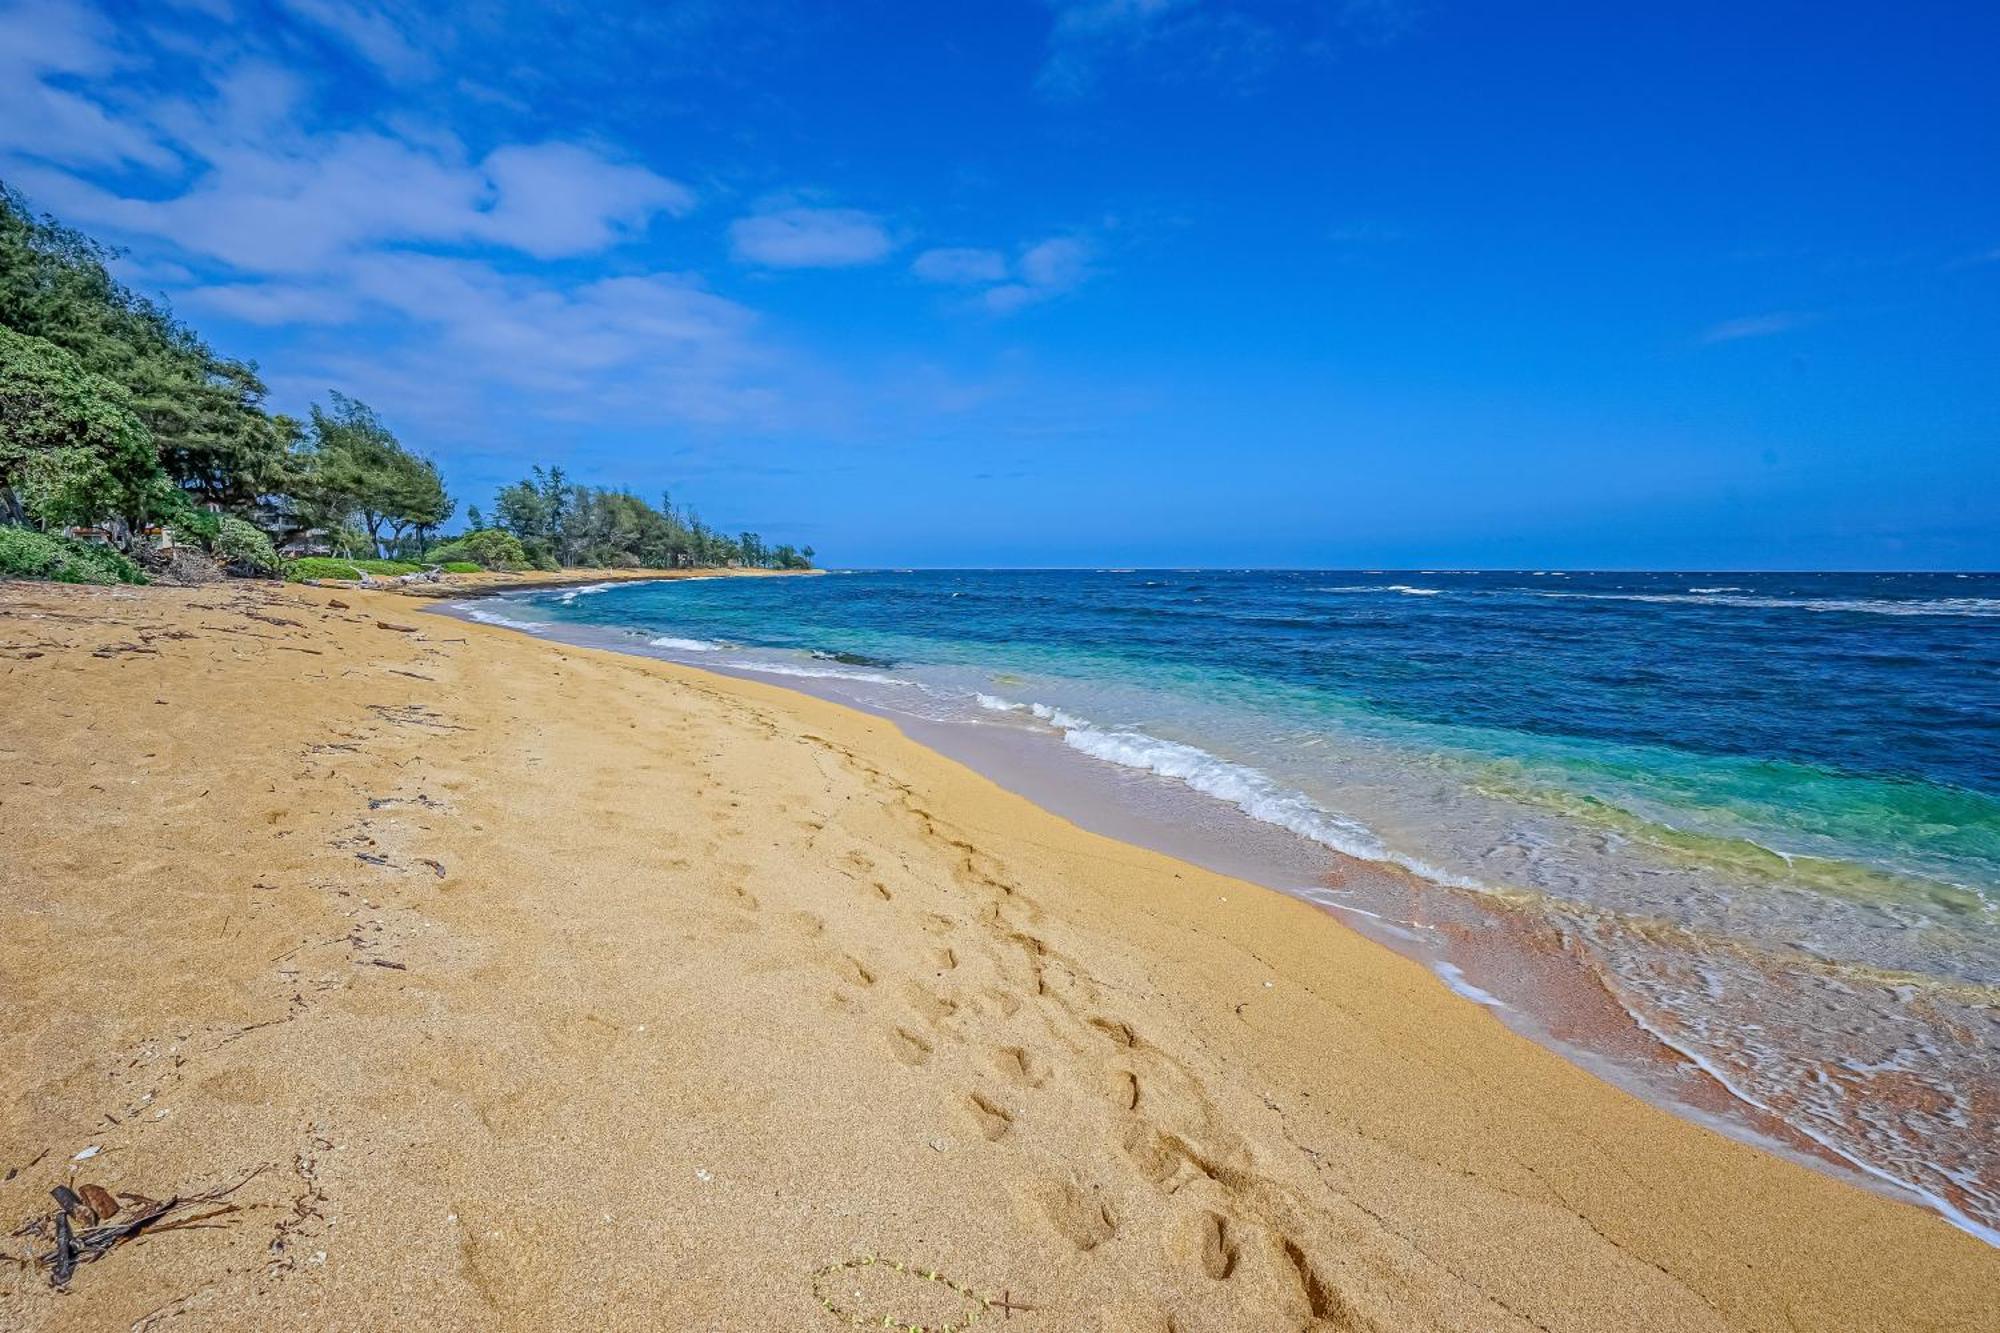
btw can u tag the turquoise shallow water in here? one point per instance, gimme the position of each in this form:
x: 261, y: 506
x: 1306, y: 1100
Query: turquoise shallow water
x: 1764, y: 809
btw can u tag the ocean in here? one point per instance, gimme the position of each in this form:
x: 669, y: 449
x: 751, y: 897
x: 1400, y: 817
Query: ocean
x: 1733, y: 839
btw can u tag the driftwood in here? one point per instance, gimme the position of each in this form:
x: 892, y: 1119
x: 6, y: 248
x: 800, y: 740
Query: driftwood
x: 80, y: 1228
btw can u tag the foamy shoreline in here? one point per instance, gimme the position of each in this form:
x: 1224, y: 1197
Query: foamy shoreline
x: 1439, y: 920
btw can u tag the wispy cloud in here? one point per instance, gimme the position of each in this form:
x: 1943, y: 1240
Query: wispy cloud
x: 1045, y: 270
x: 960, y: 265
x: 1228, y: 41
x: 1756, y: 326
x: 802, y: 237
x: 48, y: 47
x: 398, y: 259
x: 1040, y: 272
x: 373, y: 31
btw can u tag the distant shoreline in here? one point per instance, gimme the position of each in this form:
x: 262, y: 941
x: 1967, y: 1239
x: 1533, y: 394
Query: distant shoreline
x: 496, y: 582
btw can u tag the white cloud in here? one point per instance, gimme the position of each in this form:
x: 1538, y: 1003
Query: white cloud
x: 273, y: 303
x: 293, y: 203
x: 557, y: 198
x: 371, y: 30
x: 1755, y: 326
x: 1044, y: 271
x: 42, y: 44
x: 960, y: 265
x: 810, y: 238
x: 262, y: 213
x: 1057, y: 264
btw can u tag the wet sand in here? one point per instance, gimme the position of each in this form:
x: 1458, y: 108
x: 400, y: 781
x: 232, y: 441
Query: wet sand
x: 546, y: 987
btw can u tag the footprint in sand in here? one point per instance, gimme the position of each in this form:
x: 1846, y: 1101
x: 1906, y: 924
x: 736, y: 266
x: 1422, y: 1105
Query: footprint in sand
x: 992, y: 1119
x: 909, y: 1047
x: 1202, y: 1240
x: 1019, y: 1067
x: 1079, y: 1218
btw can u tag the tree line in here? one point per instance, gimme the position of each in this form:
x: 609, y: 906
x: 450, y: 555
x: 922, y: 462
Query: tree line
x: 117, y: 418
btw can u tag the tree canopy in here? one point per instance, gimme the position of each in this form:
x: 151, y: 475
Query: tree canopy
x: 114, y: 413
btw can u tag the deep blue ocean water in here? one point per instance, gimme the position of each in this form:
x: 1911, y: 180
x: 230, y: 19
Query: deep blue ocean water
x: 1764, y: 807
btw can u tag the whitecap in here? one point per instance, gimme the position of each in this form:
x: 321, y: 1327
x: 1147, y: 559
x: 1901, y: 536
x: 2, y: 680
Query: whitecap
x: 1249, y: 790
x: 818, y: 673
x: 685, y: 645
x: 1976, y: 607
x: 486, y: 617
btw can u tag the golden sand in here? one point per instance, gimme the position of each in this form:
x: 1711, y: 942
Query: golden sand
x: 551, y: 988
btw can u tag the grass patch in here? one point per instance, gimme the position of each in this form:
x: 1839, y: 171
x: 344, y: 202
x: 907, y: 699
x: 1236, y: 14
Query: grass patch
x: 338, y: 567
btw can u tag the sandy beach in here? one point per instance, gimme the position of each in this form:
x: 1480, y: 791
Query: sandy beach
x: 520, y: 986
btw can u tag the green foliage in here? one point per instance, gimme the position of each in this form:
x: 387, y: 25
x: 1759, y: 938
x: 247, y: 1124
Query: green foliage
x: 562, y: 524
x: 320, y: 567
x: 27, y: 554
x: 193, y: 527
x: 114, y: 412
x: 246, y: 550
x: 204, y: 412
x: 71, y: 451
x: 353, y: 465
x: 488, y: 548
x: 461, y: 567
x: 335, y: 567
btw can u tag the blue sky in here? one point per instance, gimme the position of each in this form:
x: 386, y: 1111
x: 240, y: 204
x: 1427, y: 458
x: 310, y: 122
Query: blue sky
x: 1354, y: 283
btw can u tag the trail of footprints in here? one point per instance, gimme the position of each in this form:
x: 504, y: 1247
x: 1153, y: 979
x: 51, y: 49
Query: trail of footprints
x: 1030, y: 1017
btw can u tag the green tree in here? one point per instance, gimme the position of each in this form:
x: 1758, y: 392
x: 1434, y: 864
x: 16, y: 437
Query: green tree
x: 204, y: 412
x: 353, y: 466
x: 71, y: 449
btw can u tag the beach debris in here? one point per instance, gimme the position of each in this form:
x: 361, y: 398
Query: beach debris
x: 336, y: 603
x: 400, y: 629
x: 438, y: 866
x: 975, y: 1304
x: 80, y: 1228
x: 384, y: 962
x: 87, y: 1153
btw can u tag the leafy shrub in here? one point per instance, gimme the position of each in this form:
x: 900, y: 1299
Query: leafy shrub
x: 329, y: 567
x: 194, y: 527
x: 460, y: 567
x: 246, y: 550
x: 27, y: 554
x: 489, y: 548
x: 320, y: 567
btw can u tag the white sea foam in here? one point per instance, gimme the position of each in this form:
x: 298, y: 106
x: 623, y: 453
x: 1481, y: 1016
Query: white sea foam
x: 685, y: 645
x: 1251, y: 791
x: 819, y: 673
x: 1981, y: 607
x: 1402, y: 588
x: 1803, y: 1124
x: 486, y: 617
x: 568, y: 595
x: 1455, y: 979
x: 1724, y: 588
